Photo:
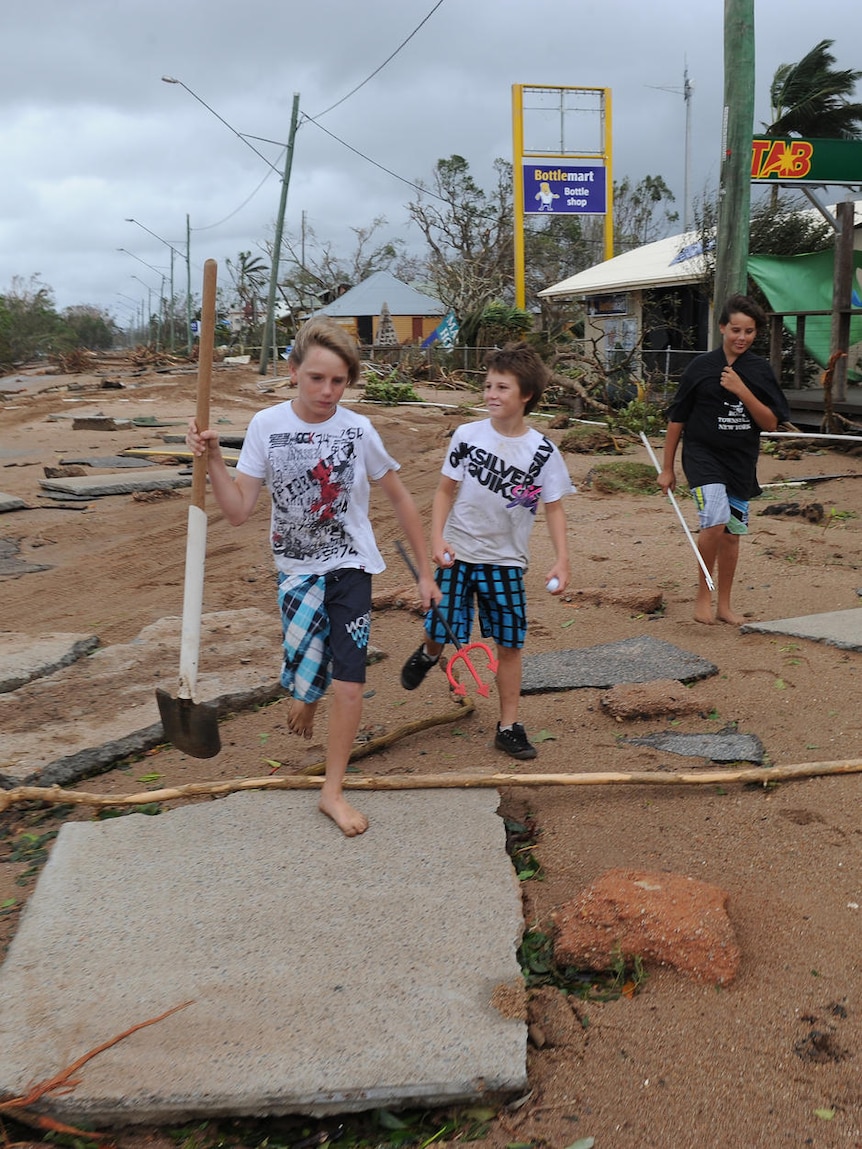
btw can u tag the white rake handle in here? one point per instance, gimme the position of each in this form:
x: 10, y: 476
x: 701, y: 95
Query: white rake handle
x: 679, y: 515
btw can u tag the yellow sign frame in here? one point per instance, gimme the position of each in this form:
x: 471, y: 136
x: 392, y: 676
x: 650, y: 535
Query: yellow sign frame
x: 520, y: 153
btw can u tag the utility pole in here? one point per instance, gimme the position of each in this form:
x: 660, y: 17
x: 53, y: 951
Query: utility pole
x: 189, y: 284
x: 734, y: 203
x: 687, y: 89
x: 269, y: 326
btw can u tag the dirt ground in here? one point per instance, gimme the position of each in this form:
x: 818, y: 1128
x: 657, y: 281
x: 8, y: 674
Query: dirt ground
x: 771, y: 1060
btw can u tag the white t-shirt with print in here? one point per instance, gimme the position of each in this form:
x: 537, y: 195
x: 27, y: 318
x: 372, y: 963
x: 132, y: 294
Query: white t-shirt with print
x: 501, y: 482
x: 318, y: 478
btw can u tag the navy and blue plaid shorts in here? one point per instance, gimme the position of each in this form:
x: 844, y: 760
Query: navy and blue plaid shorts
x: 326, y: 622
x: 497, y: 591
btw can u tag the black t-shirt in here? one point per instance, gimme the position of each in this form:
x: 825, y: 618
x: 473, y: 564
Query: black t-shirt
x: 721, y: 441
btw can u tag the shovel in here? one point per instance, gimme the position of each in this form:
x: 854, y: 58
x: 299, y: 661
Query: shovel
x: 193, y: 726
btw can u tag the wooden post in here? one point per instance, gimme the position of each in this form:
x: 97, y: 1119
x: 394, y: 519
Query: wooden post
x: 799, y: 352
x: 734, y: 205
x: 775, y: 327
x: 842, y: 287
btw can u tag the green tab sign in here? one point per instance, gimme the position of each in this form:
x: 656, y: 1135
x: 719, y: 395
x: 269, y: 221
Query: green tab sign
x: 789, y: 160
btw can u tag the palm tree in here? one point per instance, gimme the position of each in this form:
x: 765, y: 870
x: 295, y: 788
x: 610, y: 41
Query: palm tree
x: 249, y: 275
x: 812, y: 98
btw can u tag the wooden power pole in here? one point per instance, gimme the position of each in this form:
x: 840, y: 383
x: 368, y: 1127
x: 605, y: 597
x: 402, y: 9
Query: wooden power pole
x: 734, y: 204
x: 269, y: 326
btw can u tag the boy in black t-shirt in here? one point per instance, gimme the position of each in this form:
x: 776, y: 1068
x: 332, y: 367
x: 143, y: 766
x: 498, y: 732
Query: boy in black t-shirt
x: 725, y: 399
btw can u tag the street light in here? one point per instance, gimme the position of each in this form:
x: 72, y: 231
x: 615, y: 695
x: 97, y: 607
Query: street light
x: 269, y: 327
x: 131, y: 316
x: 187, y: 258
x: 149, y: 309
x: 139, y: 310
x: 239, y: 135
x: 157, y: 270
x: 162, y: 293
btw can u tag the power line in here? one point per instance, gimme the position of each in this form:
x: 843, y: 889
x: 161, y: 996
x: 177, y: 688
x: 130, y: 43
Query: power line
x: 381, y: 67
x: 368, y: 159
x: 236, y: 210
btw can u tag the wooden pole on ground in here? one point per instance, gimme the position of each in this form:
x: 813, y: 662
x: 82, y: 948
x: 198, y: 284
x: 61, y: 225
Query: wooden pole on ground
x: 747, y: 774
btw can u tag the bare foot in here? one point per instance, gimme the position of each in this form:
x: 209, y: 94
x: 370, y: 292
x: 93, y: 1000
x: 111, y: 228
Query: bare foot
x: 300, y: 717
x: 703, y: 607
x: 349, y: 820
x: 728, y: 616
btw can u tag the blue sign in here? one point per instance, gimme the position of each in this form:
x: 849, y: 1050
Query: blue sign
x: 446, y: 331
x: 570, y: 190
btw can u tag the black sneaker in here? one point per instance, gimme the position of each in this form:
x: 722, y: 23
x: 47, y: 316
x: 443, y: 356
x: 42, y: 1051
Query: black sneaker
x: 416, y: 667
x: 514, y: 742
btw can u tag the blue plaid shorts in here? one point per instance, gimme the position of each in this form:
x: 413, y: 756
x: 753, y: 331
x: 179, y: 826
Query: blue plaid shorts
x: 498, y: 592
x: 326, y: 622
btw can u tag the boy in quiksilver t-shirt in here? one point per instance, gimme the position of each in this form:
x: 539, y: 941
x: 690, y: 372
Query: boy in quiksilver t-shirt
x: 496, y: 473
x: 317, y: 458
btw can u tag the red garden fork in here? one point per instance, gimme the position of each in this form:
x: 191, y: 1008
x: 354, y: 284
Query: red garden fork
x: 462, y: 652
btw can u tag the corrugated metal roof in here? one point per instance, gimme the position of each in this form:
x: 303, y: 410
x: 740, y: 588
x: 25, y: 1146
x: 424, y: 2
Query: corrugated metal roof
x: 368, y: 297
x: 674, y: 260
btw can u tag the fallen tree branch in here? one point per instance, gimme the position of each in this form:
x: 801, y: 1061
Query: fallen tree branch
x: 764, y: 775
x: 375, y: 744
x: 16, y: 1107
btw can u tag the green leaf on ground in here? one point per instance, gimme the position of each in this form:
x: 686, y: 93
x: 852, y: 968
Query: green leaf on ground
x: 544, y: 736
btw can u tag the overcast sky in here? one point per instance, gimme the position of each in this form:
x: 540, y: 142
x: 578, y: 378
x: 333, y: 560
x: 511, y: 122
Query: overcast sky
x: 90, y: 135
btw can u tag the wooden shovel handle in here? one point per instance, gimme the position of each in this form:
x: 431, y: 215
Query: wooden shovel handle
x: 205, y: 374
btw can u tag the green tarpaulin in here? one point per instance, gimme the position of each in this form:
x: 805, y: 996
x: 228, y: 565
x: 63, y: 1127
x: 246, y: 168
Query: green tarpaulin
x: 804, y: 283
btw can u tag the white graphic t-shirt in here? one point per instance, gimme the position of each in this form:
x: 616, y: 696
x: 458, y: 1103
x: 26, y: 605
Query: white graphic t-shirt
x: 502, y: 481
x: 318, y: 478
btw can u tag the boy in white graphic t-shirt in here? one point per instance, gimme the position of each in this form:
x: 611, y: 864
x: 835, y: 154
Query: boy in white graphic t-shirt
x: 496, y: 473
x: 316, y: 458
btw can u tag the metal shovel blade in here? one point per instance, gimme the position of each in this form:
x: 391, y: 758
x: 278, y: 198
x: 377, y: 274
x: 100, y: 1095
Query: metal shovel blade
x: 190, y: 726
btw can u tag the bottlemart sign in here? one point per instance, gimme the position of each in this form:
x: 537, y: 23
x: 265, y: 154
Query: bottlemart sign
x: 788, y: 160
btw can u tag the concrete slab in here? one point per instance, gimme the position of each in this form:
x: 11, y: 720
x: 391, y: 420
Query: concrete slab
x: 639, y: 659
x: 23, y: 657
x: 835, y: 627
x: 716, y: 746
x: 104, y: 707
x: 11, y: 566
x: 99, y: 423
x: 325, y: 974
x: 115, y: 462
x: 31, y: 384
x: 94, y: 486
x: 11, y: 503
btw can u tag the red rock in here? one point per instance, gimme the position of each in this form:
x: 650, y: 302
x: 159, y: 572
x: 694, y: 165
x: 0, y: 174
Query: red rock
x: 662, y: 696
x: 665, y: 919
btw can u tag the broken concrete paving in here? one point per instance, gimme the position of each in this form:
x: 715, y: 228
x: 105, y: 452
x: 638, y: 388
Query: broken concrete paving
x: 322, y: 974
x: 721, y: 746
x: 24, y: 657
x: 10, y: 503
x: 11, y: 566
x: 234, y: 647
x: 638, y: 659
x: 96, y: 486
x: 842, y: 628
